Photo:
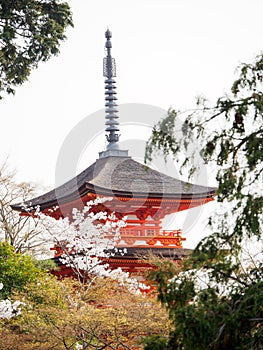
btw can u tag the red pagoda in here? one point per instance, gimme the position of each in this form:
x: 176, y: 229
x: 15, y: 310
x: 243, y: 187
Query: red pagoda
x: 142, y: 194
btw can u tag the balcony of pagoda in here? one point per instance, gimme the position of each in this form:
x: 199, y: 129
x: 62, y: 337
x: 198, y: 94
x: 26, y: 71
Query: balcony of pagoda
x: 150, y: 237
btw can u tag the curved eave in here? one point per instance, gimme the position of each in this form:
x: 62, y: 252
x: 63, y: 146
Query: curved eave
x: 33, y: 204
x: 183, y: 196
x: 90, y: 188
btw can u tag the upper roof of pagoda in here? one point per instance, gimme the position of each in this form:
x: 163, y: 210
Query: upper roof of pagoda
x: 115, y: 173
x: 120, y: 177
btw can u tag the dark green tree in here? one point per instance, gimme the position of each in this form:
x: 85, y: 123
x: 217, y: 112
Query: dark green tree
x: 216, y: 302
x: 30, y: 32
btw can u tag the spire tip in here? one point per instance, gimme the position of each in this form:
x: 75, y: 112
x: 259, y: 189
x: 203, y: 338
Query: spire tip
x: 112, y: 124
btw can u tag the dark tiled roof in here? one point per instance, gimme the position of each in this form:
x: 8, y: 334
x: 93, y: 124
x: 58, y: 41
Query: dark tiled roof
x: 120, y: 176
x: 137, y: 253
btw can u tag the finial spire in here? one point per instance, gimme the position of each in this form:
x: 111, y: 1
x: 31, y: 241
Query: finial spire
x: 112, y: 124
x: 109, y: 71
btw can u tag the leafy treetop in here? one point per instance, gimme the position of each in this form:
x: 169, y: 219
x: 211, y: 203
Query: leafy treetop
x: 30, y: 32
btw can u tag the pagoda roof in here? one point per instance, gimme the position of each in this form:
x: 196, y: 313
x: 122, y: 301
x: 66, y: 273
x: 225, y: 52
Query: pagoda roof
x: 120, y: 177
x: 137, y: 253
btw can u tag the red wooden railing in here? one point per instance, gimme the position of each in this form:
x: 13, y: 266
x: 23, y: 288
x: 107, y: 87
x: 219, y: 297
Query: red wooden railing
x: 150, y: 236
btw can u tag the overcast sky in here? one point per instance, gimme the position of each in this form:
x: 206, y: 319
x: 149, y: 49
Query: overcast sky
x: 167, y: 52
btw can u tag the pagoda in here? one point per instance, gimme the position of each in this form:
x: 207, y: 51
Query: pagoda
x: 145, y: 196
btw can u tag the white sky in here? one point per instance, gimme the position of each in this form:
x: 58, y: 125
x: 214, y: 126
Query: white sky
x: 167, y: 52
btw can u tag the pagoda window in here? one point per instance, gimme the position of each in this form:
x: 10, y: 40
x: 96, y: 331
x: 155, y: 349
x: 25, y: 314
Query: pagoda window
x: 150, y: 232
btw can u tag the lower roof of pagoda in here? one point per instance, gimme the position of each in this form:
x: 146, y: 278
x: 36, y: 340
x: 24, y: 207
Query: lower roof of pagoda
x: 119, y: 177
x: 134, y: 254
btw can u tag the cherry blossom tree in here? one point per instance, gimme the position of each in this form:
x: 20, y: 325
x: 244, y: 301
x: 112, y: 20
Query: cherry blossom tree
x: 9, y: 309
x: 86, y: 241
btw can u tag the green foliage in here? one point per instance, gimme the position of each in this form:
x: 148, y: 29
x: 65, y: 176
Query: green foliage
x: 216, y: 301
x: 30, y: 32
x: 162, y: 137
x: 230, y: 136
x: 16, y: 270
x: 221, y: 315
x: 155, y: 342
x: 46, y: 265
x: 164, y: 270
